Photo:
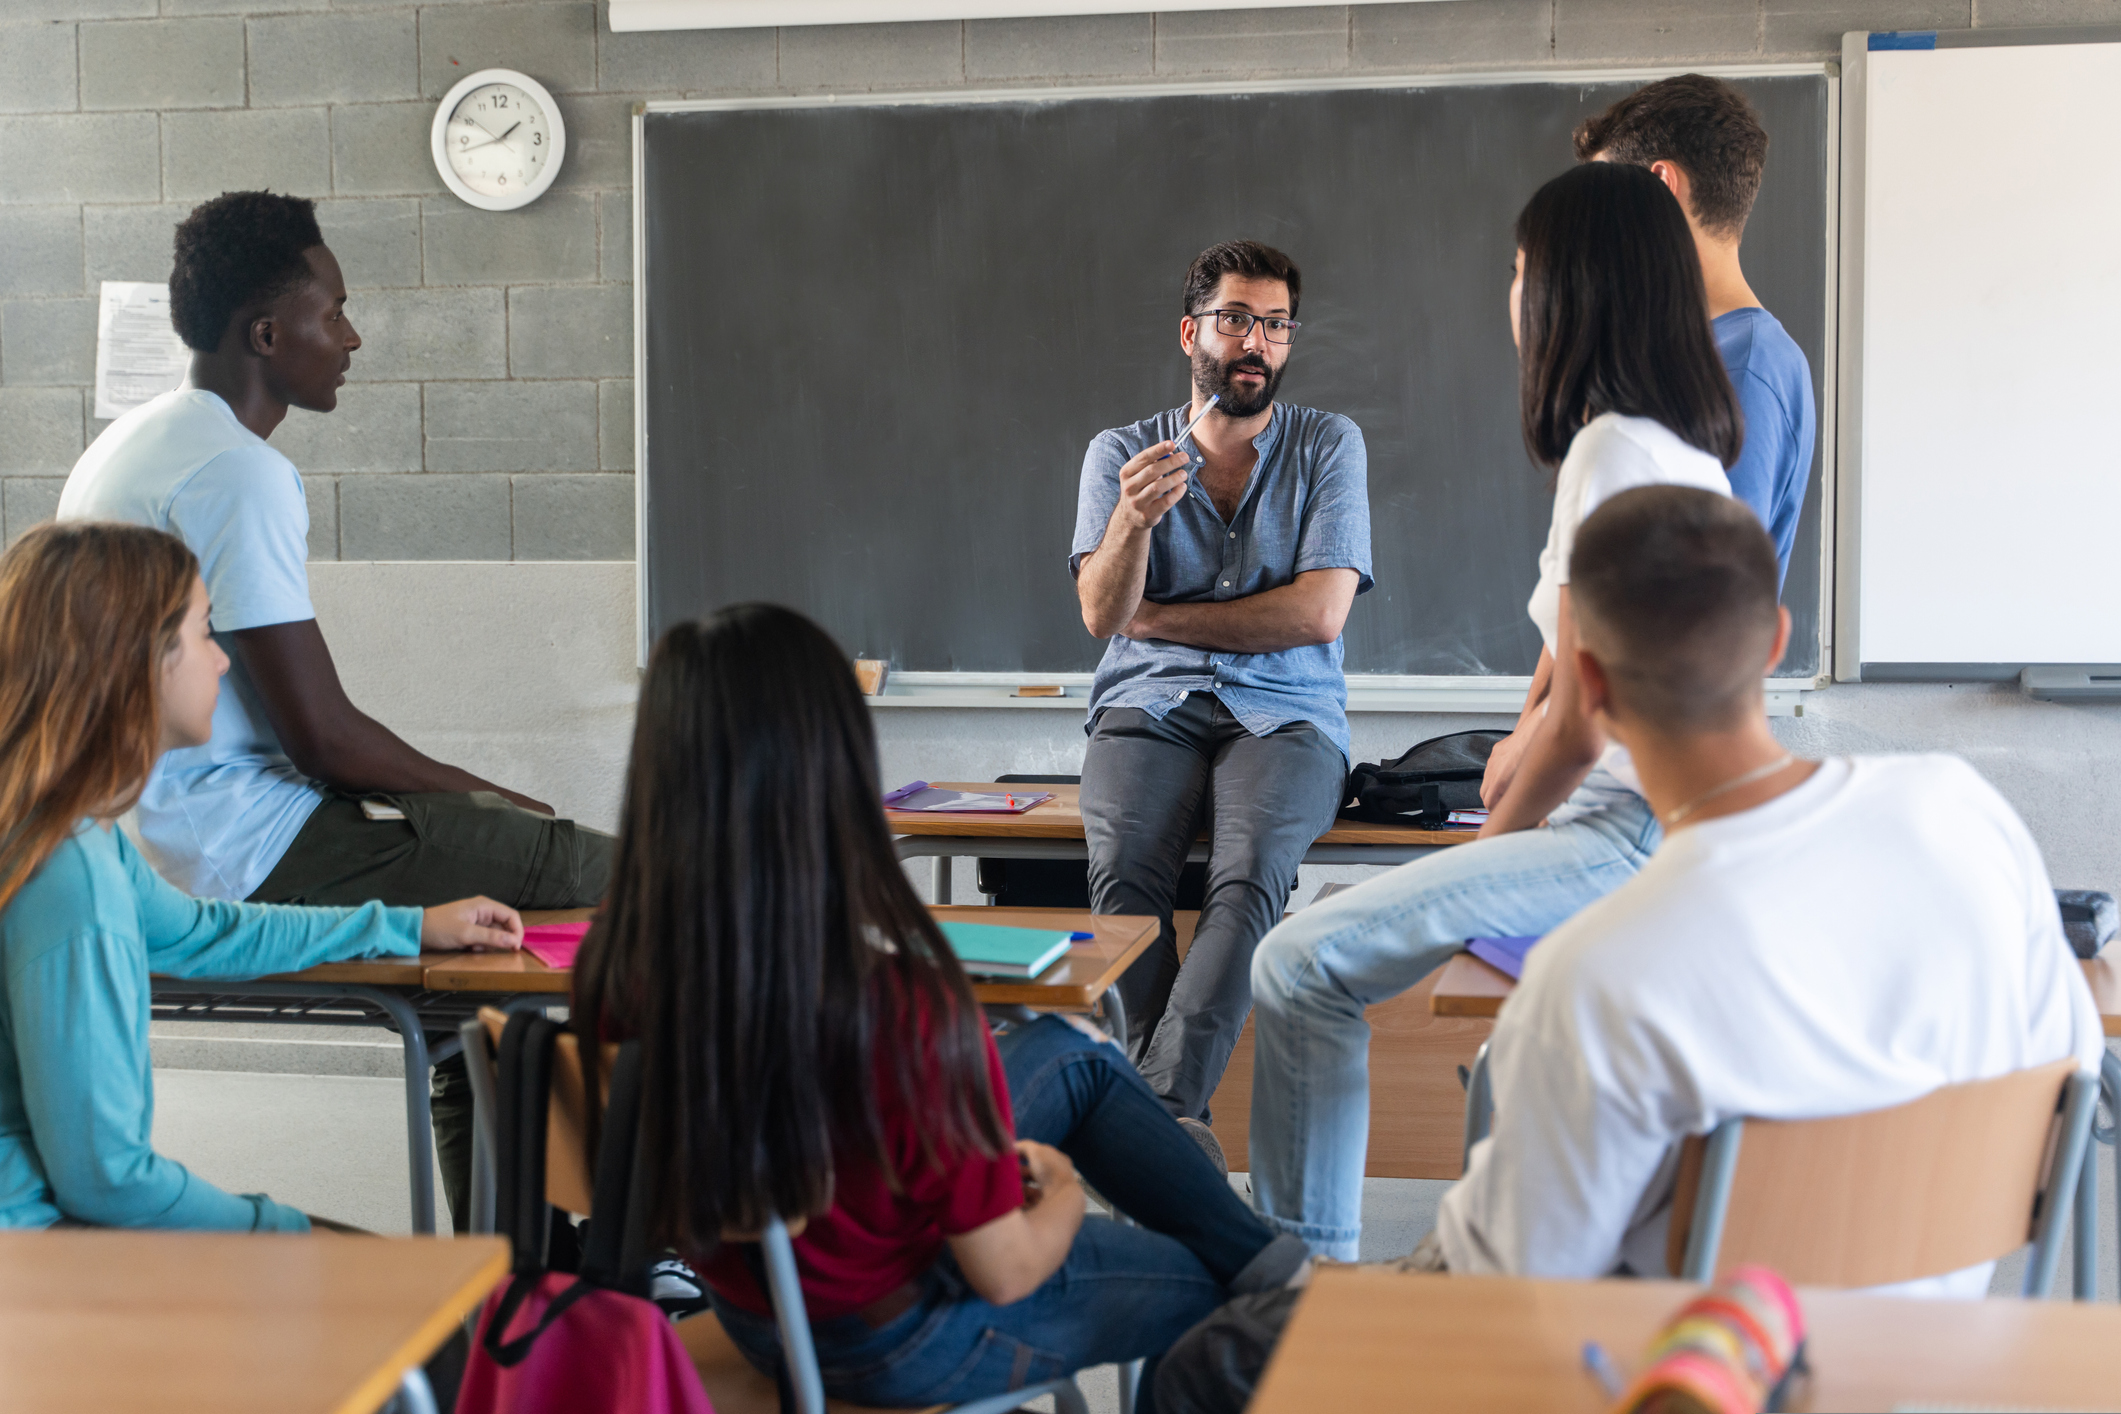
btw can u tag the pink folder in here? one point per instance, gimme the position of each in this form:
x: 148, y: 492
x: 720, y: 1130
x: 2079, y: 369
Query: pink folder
x: 554, y: 944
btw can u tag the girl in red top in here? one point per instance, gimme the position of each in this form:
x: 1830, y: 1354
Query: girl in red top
x: 812, y: 1050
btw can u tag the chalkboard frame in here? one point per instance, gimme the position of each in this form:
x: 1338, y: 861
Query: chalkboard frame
x: 1366, y: 691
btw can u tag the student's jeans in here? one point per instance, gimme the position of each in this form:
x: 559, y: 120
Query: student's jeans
x: 1148, y: 786
x: 1313, y: 976
x: 1124, y: 1293
x: 450, y: 845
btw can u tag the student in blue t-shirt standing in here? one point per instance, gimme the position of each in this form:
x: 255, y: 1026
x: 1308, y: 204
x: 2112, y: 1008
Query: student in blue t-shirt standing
x: 1703, y: 140
x: 279, y: 806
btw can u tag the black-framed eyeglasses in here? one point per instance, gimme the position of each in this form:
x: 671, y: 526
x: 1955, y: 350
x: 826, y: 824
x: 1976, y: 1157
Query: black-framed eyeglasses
x: 1237, y: 323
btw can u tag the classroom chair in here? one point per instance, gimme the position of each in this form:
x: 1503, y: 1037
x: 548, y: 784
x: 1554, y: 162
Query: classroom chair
x: 733, y: 1384
x: 1966, y: 1174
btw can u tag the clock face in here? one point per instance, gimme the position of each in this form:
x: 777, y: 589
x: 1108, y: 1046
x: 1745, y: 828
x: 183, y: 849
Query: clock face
x: 499, y: 140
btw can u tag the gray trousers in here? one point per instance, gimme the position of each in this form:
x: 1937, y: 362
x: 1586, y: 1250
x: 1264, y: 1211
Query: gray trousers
x: 1148, y: 787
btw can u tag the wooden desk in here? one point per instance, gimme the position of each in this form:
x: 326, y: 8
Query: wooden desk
x: 174, y: 1322
x: 1392, y: 1343
x: 1053, y: 829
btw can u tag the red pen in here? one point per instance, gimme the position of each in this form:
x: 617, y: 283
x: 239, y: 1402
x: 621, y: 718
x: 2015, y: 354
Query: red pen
x: 1012, y: 801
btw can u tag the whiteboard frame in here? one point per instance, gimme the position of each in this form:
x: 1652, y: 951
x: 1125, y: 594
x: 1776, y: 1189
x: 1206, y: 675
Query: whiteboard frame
x: 1846, y: 544
x: 1367, y: 692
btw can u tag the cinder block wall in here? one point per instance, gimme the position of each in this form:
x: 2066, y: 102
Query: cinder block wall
x: 490, y: 416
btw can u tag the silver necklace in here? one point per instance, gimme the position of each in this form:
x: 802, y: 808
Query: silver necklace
x: 1758, y: 773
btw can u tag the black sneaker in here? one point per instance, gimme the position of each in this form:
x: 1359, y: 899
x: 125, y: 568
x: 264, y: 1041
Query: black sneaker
x: 1203, y: 1136
x: 677, y: 1288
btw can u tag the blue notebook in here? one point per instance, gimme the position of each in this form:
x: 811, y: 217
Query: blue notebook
x: 1505, y: 955
x: 991, y: 950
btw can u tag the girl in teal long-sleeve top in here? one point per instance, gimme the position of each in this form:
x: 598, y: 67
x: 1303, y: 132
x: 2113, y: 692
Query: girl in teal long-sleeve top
x: 107, y: 661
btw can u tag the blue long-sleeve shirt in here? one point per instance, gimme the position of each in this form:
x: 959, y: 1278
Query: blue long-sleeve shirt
x: 77, y: 1099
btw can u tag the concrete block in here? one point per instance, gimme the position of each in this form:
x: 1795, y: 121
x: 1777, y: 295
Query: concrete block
x: 1087, y: 46
x: 1307, y: 38
x: 37, y: 67
x: 423, y: 518
x: 599, y: 141
x: 81, y: 157
x: 322, y: 494
x: 554, y: 44
x: 376, y: 428
x: 240, y: 7
x: 2016, y: 14
x: 163, y: 64
x: 851, y: 58
x: 1437, y: 36
x: 535, y: 426
x: 1652, y: 29
x: 553, y: 238
x: 574, y: 517
x: 688, y: 61
x: 383, y: 150
x: 29, y: 502
x: 40, y: 431
x: 615, y: 425
x: 280, y: 149
x: 79, y: 9
x: 570, y: 331
x: 615, y: 235
x: 92, y: 426
x: 40, y: 250
x: 1812, y: 29
x: 48, y: 341
x: 130, y: 242
x: 297, y: 60
x: 376, y: 240
x: 408, y: 334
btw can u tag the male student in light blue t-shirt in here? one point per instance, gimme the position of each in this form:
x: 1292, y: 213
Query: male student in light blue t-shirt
x: 1703, y: 139
x: 282, y: 804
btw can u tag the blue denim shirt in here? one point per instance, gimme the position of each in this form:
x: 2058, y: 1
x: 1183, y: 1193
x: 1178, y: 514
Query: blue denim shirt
x: 1307, y: 507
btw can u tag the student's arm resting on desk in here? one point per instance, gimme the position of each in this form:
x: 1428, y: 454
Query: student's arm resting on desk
x: 1563, y: 748
x: 1009, y: 1258
x: 325, y: 735
x: 1311, y: 608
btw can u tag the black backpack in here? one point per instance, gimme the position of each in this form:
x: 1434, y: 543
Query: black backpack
x: 1424, y: 786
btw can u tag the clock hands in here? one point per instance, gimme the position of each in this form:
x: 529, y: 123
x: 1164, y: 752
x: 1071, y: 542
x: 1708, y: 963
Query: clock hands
x: 491, y: 139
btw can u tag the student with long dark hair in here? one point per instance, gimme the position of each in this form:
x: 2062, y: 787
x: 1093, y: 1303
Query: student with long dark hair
x: 107, y: 663
x: 812, y: 1049
x: 1621, y: 386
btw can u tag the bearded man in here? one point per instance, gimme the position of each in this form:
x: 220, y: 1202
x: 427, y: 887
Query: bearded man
x: 1221, y: 565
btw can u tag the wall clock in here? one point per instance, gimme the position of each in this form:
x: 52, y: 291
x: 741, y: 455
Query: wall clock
x: 499, y: 139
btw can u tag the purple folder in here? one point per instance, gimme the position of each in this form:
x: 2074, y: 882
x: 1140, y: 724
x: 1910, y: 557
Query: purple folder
x: 1505, y: 955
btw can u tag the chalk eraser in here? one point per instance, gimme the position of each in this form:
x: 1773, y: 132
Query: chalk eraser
x: 1044, y: 690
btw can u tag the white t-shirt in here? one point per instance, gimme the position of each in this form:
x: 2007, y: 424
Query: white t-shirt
x: 214, y: 819
x: 1613, y: 453
x: 1884, y: 929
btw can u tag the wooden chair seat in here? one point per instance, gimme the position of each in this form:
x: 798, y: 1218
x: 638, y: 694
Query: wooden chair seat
x: 734, y: 1385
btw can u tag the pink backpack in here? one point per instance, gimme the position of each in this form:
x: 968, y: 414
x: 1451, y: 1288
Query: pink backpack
x: 586, y: 1344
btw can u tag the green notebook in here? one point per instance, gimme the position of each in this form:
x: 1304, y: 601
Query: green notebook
x: 994, y: 951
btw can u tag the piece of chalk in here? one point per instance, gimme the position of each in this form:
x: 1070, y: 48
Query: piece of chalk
x: 1041, y: 690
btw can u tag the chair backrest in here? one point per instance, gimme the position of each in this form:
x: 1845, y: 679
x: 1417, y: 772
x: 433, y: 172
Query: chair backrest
x: 1963, y: 1175
x: 569, y: 1174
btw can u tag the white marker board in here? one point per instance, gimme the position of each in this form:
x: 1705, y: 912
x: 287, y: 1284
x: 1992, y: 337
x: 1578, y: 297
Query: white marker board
x: 1980, y: 495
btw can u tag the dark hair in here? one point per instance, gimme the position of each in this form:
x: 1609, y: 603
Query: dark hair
x: 1702, y: 124
x: 762, y: 943
x: 1614, y: 317
x: 236, y: 251
x: 1247, y: 258
x: 1674, y: 590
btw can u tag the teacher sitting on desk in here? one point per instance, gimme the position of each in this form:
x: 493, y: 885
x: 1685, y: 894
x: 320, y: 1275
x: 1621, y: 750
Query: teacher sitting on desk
x: 1221, y: 564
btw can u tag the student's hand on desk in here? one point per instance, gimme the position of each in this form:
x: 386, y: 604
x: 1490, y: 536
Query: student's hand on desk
x: 471, y: 925
x: 1046, y: 1170
x: 1150, y: 484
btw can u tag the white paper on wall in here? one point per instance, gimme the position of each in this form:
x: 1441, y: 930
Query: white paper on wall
x: 138, y: 353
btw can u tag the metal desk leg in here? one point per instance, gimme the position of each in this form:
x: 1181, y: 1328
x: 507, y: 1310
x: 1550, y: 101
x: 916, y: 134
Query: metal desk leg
x: 2110, y: 1092
x: 940, y: 889
x: 419, y: 1109
x: 1480, y: 1102
x: 2084, y: 1254
x: 1115, y: 1016
x: 415, y: 1394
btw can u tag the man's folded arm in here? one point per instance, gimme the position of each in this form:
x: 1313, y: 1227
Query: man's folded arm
x: 1310, y: 609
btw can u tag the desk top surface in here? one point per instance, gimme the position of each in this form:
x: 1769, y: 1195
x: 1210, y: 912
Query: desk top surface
x: 1470, y: 987
x: 1061, y: 818
x: 1074, y: 982
x: 1386, y: 1342
x: 192, y: 1321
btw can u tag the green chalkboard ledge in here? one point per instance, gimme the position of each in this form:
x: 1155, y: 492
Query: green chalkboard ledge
x: 1366, y: 692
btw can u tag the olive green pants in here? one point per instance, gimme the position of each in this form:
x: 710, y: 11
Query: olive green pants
x: 448, y: 846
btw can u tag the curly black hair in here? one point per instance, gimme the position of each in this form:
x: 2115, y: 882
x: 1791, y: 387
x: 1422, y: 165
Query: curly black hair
x: 236, y: 250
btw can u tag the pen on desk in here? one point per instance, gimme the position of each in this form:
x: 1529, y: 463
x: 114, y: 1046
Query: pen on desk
x: 1600, y: 1365
x: 1012, y: 801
